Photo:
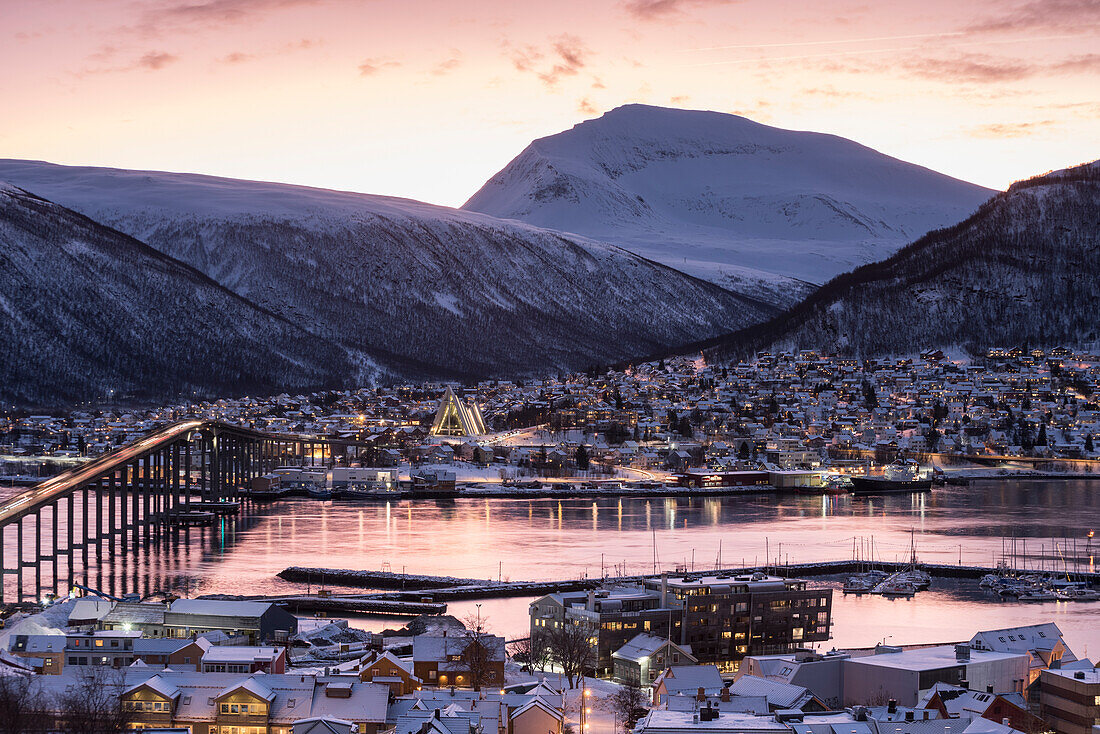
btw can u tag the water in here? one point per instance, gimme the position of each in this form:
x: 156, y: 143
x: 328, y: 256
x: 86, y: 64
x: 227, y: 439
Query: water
x: 548, y: 539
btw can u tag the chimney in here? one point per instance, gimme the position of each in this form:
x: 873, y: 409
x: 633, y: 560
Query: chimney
x: 989, y: 688
x: 1004, y: 721
x: 664, y: 589
x: 964, y: 683
x: 590, y: 605
x: 725, y: 696
x: 892, y: 706
x: 962, y: 653
x: 909, y: 716
x: 444, y: 631
x: 701, y: 695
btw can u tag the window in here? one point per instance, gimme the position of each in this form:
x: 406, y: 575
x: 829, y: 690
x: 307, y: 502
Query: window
x: 99, y: 643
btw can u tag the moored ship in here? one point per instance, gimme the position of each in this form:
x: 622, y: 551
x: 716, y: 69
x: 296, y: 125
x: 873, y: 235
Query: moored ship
x: 898, y: 477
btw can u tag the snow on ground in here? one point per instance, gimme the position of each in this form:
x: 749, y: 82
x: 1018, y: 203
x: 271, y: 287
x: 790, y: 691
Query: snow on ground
x: 53, y: 620
x: 601, y: 717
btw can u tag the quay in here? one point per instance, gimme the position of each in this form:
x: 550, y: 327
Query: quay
x: 365, y: 604
x: 439, y: 588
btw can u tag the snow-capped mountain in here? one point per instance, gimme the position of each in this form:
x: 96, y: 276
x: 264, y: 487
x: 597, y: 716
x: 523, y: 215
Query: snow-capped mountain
x: 89, y: 313
x: 752, y: 207
x: 444, y: 292
x: 1022, y: 270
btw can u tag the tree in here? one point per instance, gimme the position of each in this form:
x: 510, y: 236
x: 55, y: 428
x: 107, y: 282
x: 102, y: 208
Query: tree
x: 20, y: 705
x: 532, y: 652
x: 1088, y: 443
x: 572, y: 650
x: 581, y: 458
x: 93, y: 704
x: 684, y: 428
x: 629, y: 704
x: 1042, y: 440
x: 477, y: 655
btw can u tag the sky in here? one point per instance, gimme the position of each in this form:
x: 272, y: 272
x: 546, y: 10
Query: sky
x: 427, y: 99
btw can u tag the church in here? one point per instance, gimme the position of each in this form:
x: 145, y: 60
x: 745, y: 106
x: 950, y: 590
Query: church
x: 455, y: 418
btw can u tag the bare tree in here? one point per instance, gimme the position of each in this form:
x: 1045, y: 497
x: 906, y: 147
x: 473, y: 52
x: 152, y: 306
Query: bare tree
x: 477, y: 655
x: 21, y: 705
x: 532, y: 652
x: 93, y: 704
x: 630, y: 704
x: 571, y: 648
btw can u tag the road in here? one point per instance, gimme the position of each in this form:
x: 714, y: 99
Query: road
x: 60, y: 485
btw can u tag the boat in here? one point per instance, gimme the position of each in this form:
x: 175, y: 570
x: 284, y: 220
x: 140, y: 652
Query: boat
x: 360, y: 492
x: 897, y: 587
x: 901, y: 476
x: 1080, y: 594
x: 1036, y: 595
x: 318, y: 492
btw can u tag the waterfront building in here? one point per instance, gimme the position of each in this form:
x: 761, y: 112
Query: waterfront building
x: 1042, y: 643
x: 1070, y: 700
x: 720, y: 618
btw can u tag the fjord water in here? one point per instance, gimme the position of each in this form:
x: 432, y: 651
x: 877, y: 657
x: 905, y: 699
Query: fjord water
x: 552, y: 539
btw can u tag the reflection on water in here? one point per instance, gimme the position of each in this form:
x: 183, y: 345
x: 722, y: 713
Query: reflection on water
x: 545, y: 539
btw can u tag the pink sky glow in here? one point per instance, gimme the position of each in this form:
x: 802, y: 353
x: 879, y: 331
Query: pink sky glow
x: 427, y: 99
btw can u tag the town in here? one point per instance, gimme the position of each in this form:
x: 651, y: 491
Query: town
x: 786, y: 420
x: 689, y: 654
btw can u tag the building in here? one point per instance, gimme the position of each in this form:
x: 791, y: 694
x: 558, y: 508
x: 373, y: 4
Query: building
x: 905, y: 676
x: 386, y: 669
x: 217, y: 703
x: 687, y: 680
x: 1042, y: 643
x: 254, y: 621
x: 456, y: 418
x: 727, y: 617
x: 459, y: 660
x: 1070, y: 700
x: 617, y: 615
x: 720, y: 618
x: 243, y: 659
x: 644, y: 657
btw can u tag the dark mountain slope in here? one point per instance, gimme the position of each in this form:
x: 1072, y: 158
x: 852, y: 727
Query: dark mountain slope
x: 88, y: 312
x: 1023, y: 269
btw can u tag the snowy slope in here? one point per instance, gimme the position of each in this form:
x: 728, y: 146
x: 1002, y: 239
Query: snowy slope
x: 1022, y: 270
x: 89, y: 313
x: 723, y: 197
x: 455, y: 294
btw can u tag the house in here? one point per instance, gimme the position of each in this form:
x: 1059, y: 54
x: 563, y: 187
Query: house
x: 211, y: 703
x: 386, y: 669
x: 44, y: 653
x: 687, y: 679
x: 243, y: 659
x: 644, y: 657
x: 956, y: 702
x: 255, y: 621
x: 459, y: 659
x: 1042, y: 643
x: 780, y: 696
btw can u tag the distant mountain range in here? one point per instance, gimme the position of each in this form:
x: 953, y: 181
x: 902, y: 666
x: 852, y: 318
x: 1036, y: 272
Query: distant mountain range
x: 1022, y: 270
x: 761, y: 210
x: 89, y: 313
x: 153, y: 285
x: 387, y: 287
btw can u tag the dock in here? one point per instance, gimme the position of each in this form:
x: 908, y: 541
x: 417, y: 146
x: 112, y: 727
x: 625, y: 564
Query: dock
x: 409, y: 587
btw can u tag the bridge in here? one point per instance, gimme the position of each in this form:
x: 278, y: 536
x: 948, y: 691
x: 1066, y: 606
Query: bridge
x: 179, y: 475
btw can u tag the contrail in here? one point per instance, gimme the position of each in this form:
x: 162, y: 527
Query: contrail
x: 833, y: 54
x: 828, y: 43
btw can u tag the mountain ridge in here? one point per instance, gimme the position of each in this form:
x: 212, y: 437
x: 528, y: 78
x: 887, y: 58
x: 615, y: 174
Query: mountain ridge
x: 724, y: 197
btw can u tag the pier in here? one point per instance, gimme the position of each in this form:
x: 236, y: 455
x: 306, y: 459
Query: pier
x: 442, y: 588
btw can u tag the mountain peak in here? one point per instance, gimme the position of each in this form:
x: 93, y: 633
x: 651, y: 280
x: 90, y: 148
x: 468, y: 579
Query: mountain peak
x: 725, y: 198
